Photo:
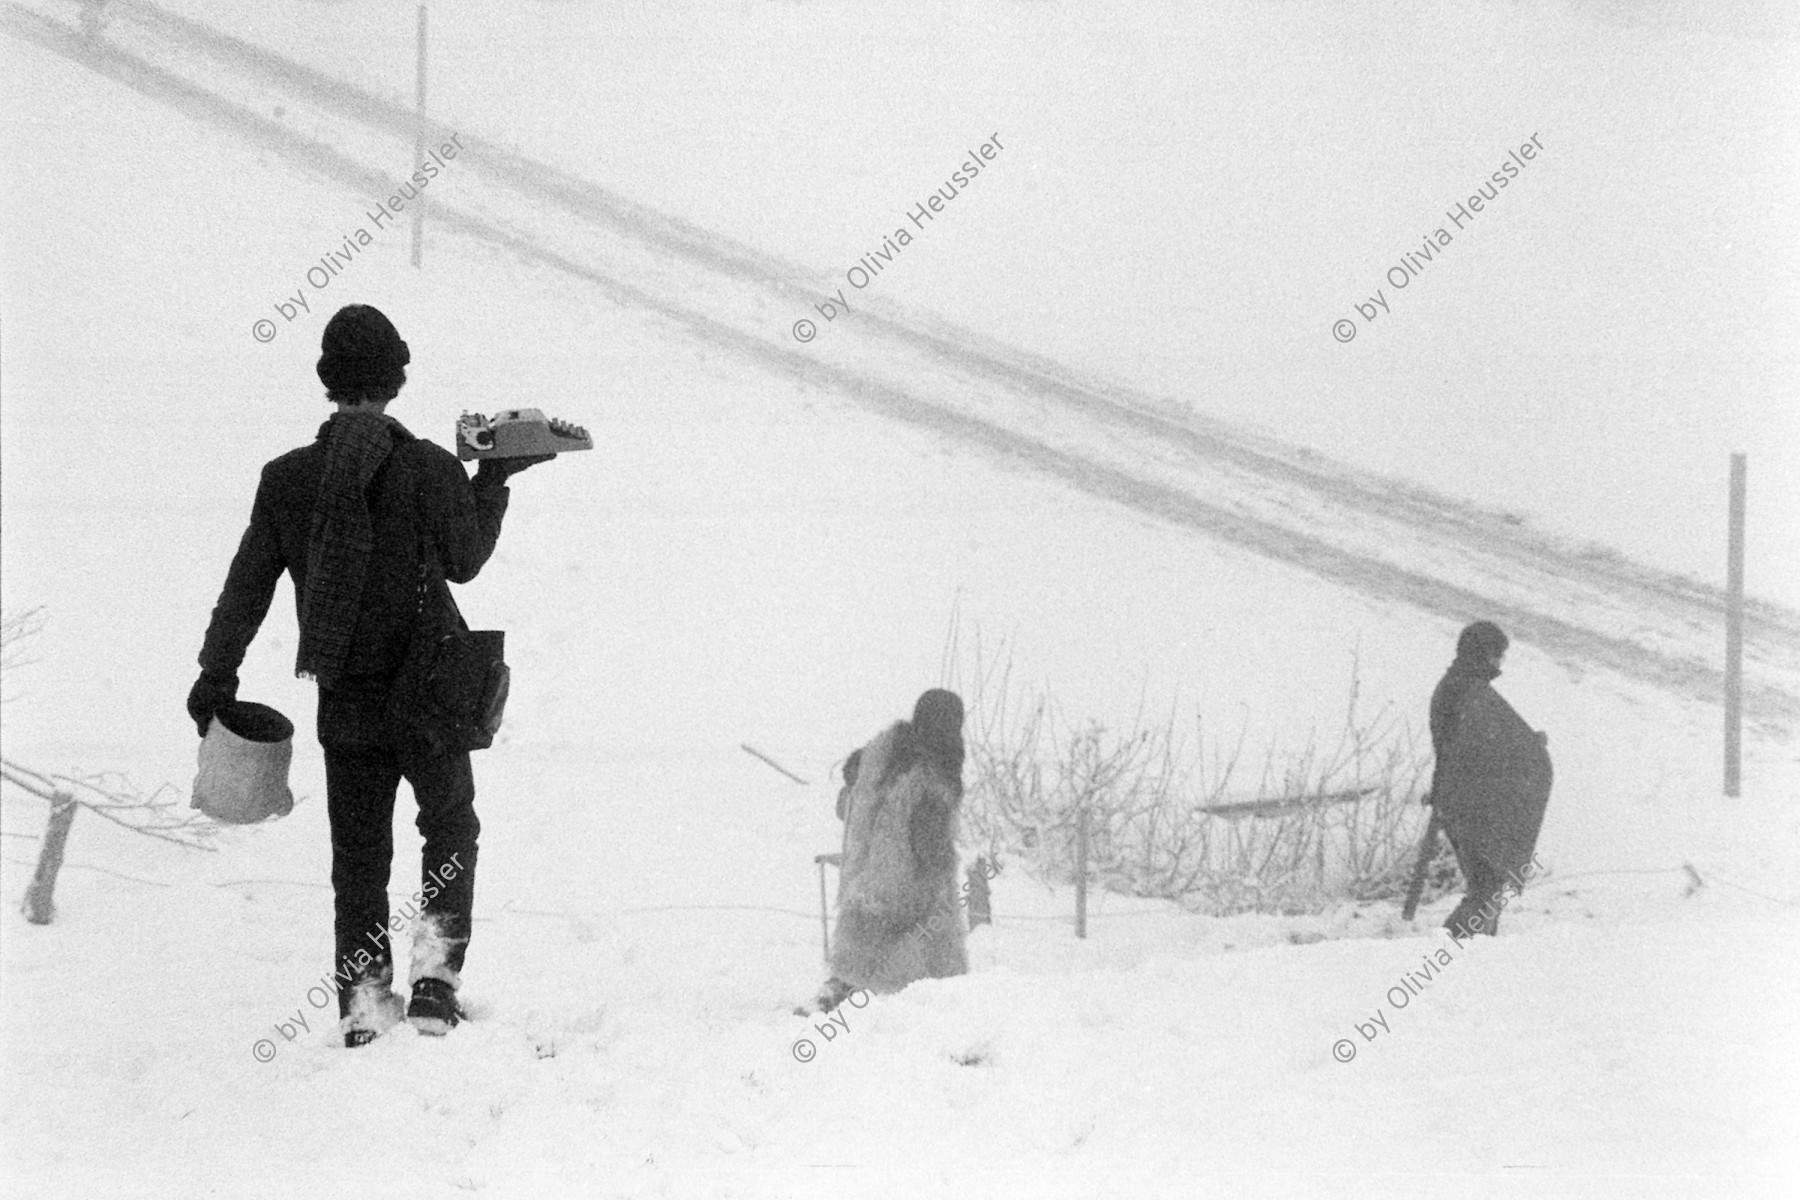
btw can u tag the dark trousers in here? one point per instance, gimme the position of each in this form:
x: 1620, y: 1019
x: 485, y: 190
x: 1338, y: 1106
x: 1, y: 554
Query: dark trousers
x: 1486, y: 883
x: 361, y: 782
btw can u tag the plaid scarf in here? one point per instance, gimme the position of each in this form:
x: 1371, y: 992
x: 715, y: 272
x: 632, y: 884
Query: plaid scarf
x: 342, y: 538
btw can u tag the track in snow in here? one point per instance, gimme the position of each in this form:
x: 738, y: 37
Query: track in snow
x: 1582, y: 605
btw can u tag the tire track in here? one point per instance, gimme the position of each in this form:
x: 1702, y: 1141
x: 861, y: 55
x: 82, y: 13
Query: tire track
x: 1107, y: 441
x: 1768, y: 628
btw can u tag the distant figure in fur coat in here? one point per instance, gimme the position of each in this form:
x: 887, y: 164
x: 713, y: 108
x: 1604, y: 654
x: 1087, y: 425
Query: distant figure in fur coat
x: 898, y: 915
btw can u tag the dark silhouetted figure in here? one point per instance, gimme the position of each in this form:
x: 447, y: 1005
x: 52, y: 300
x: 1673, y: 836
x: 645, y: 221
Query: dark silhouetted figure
x: 372, y: 524
x: 1491, y: 781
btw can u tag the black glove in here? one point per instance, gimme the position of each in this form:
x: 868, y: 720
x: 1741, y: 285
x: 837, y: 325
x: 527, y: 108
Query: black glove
x: 494, y: 472
x: 211, y: 692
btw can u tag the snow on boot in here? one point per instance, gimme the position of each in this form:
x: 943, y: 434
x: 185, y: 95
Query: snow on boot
x: 373, y: 1010
x: 834, y: 993
x: 434, y: 1010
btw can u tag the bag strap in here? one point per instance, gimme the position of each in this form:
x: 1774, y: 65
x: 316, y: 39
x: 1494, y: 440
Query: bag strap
x: 426, y: 559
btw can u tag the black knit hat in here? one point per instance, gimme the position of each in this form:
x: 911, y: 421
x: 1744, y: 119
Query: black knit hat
x: 1482, y: 640
x: 363, y: 357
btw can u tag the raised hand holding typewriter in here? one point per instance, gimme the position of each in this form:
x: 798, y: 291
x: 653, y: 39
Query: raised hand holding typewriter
x: 494, y: 472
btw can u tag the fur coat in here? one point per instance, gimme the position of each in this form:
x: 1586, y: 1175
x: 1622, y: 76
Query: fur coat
x: 898, y: 916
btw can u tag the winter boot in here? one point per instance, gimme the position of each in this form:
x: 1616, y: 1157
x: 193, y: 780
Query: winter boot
x: 834, y: 993
x: 373, y: 1009
x: 434, y: 1010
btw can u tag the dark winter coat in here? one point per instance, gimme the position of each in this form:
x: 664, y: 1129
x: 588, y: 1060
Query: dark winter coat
x: 1492, y: 786
x: 419, y: 499
x: 1464, y: 676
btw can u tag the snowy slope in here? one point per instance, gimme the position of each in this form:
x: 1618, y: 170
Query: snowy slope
x: 1285, y: 503
x: 751, y: 558
x: 1198, y: 197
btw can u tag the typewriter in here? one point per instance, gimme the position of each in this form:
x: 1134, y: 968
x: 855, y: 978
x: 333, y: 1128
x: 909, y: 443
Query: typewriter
x: 517, y: 433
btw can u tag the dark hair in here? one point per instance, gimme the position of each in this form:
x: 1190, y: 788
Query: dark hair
x: 357, y: 396
x: 933, y: 736
x: 1482, y: 640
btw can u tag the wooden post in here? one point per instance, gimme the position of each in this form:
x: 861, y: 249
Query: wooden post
x: 1734, y: 632
x: 976, y: 883
x: 418, y: 212
x: 39, y: 907
x: 1081, y: 871
x: 824, y: 921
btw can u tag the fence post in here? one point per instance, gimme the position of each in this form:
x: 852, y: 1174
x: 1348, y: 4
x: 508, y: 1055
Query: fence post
x: 976, y: 884
x: 418, y: 212
x: 1081, y: 869
x: 824, y: 921
x: 38, y: 907
x: 837, y: 860
x: 1734, y: 632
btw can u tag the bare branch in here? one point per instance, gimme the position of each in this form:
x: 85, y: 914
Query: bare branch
x: 115, y: 798
x: 1327, y: 820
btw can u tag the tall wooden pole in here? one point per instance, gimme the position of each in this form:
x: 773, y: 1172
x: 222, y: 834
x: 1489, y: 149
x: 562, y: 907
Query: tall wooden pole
x: 1734, y: 632
x: 418, y: 212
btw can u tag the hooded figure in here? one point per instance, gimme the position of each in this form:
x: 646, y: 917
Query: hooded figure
x: 1491, y: 782
x: 899, y: 917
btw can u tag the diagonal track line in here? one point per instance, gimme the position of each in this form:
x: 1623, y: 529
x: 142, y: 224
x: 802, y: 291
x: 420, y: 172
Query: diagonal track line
x: 1123, y: 407
x: 697, y: 252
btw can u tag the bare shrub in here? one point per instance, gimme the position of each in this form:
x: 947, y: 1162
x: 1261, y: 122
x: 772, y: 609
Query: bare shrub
x: 15, y: 630
x: 1326, y: 821
x: 113, y: 797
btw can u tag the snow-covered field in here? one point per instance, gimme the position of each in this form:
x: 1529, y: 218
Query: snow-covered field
x: 758, y: 554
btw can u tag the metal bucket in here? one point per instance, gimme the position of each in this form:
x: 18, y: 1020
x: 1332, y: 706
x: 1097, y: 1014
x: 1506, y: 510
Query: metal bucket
x: 244, y: 760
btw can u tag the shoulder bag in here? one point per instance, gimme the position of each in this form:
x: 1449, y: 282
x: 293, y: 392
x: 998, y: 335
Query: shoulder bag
x: 450, y: 694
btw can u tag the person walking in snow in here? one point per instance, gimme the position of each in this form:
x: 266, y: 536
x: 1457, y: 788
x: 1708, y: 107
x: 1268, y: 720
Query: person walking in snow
x: 348, y: 517
x: 898, y: 915
x: 1490, y: 783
